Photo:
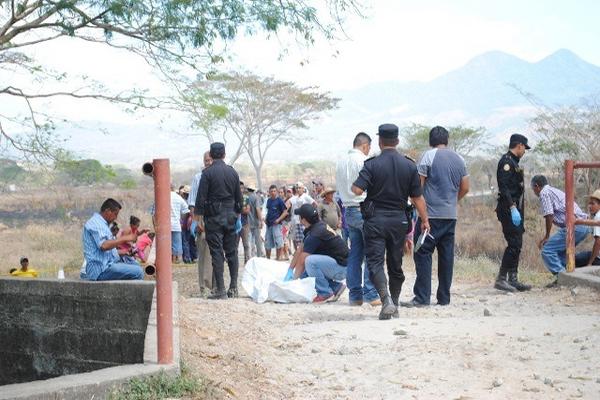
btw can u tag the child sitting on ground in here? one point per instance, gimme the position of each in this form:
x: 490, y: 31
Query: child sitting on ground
x: 24, y: 271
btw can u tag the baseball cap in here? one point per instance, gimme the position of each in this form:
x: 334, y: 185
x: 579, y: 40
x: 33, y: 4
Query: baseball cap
x: 306, y: 211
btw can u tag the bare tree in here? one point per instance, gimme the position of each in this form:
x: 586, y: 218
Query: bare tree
x: 167, y: 33
x: 260, y: 111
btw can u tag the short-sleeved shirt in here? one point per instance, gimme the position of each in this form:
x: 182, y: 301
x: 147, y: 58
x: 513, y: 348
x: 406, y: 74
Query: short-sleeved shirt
x: 243, y: 216
x: 179, y: 207
x: 96, y: 232
x: 321, y: 239
x: 389, y: 180
x: 275, y: 207
x: 596, y: 229
x: 297, y: 202
x: 255, y: 204
x: 552, y: 202
x: 444, y: 170
x: 330, y: 213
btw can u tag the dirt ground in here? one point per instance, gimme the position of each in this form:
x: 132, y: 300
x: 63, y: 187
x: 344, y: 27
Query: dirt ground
x: 544, y: 344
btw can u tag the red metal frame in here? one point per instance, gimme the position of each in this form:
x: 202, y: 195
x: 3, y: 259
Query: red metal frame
x: 570, y: 167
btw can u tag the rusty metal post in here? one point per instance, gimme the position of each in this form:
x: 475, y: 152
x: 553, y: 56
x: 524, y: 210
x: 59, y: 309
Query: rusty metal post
x: 164, y: 278
x: 570, y: 210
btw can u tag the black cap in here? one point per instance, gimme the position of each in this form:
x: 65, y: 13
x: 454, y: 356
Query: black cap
x: 388, y: 131
x: 307, y: 211
x: 217, y: 147
x: 518, y: 138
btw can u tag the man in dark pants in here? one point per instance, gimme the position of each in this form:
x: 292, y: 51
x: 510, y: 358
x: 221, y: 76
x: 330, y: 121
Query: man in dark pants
x: 389, y: 180
x: 510, y: 213
x: 219, y: 204
x: 445, y: 181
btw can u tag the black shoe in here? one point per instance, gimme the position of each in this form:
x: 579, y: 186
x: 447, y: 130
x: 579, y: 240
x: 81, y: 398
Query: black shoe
x: 218, y: 295
x: 502, y: 284
x: 514, y: 282
x: 232, y: 293
x: 413, y: 303
x: 387, y: 309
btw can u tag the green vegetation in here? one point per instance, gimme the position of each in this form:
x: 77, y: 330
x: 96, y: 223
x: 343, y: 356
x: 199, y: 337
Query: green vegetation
x: 162, y: 386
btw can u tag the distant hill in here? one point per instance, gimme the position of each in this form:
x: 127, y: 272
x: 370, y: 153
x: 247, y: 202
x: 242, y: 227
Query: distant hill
x: 480, y: 93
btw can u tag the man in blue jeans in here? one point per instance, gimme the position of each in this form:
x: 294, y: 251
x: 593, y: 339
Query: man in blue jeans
x: 322, y: 255
x: 553, y: 208
x: 100, y: 247
x: 347, y: 170
x: 445, y: 181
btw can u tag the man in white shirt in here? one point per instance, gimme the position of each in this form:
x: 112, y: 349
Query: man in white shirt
x: 179, y: 207
x: 347, y: 169
x: 585, y: 258
x: 295, y: 202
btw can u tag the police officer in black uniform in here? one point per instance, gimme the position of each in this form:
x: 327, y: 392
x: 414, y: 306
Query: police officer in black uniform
x: 389, y: 180
x: 510, y: 213
x: 220, y: 202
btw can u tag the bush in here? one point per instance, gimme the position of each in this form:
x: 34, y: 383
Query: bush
x: 158, y: 387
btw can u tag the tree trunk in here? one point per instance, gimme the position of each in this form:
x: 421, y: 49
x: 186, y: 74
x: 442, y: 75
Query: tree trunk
x: 258, y: 171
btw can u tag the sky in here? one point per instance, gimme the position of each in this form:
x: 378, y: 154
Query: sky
x: 397, y: 40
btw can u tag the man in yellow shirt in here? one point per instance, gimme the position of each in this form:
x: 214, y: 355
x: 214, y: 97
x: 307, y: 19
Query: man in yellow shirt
x: 24, y: 271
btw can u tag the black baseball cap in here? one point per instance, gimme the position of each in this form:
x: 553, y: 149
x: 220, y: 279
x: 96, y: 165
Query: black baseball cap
x: 518, y: 138
x: 307, y: 211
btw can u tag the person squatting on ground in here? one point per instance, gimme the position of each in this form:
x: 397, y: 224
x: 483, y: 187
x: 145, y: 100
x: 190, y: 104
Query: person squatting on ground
x: 205, y: 270
x: 347, y: 169
x: 389, y: 180
x: 102, y: 260
x: 553, y: 209
x: 445, y: 182
x: 24, y: 271
x: 322, y: 255
x: 510, y: 213
x: 276, y: 213
x: 585, y: 258
x: 218, y: 206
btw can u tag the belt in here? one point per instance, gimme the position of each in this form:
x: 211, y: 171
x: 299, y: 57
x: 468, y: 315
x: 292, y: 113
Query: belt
x: 351, y: 206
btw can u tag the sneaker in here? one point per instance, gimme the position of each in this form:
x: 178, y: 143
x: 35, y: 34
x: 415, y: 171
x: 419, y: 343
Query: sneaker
x: 338, y: 293
x: 323, y: 299
x: 375, y: 303
x: 355, y: 303
x: 218, y: 295
x: 232, y: 293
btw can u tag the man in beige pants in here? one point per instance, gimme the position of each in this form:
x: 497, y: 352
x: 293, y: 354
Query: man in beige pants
x: 205, y: 270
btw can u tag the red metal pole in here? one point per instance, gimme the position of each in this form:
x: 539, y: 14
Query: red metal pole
x: 570, y: 217
x: 164, y: 279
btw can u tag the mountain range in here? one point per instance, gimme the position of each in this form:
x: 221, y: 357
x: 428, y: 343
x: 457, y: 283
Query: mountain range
x: 487, y: 91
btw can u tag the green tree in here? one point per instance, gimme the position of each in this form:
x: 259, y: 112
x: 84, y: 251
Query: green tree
x: 462, y: 139
x: 167, y: 33
x: 84, y: 172
x: 261, y: 111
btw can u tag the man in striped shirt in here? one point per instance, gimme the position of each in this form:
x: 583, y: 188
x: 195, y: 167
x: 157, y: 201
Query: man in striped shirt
x: 553, y: 209
x: 103, y: 262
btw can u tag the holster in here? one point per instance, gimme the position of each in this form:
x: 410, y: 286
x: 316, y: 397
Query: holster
x: 367, y: 209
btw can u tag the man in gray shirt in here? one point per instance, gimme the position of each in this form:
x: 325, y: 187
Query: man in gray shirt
x: 445, y: 181
x: 255, y: 221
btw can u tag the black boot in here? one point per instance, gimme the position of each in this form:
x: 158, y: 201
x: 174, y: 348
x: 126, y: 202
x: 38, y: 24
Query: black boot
x: 502, y: 284
x: 514, y: 282
x: 388, y: 308
x: 232, y: 293
x: 219, y: 294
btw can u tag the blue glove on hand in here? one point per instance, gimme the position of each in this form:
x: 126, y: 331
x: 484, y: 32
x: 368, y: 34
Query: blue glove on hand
x: 289, y: 276
x: 516, y: 216
x: 238, y: 226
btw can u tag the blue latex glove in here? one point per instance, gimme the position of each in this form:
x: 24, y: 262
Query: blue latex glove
x: 289, y: 276
x: 516, y: 216
x: 238, y: 225
x: 193, y: 228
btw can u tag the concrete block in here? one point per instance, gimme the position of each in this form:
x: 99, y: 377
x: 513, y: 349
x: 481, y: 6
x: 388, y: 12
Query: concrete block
x: 584, y: 277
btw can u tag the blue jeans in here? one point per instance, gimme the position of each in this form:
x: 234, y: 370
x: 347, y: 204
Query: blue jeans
x: 356, y: 275
x: 324, y: 269
x: 176, y: 243
x: 554, y: 252
x: 443, y: 232
x: 185, y: 244
x: 121, y: 271
x: 582, y: 258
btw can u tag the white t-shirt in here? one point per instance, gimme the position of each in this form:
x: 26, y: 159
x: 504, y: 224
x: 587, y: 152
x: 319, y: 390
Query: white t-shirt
x: 596, y: 229
x: 297, y: 202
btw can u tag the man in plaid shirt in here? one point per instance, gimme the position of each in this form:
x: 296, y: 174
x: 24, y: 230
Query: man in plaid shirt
x: 553, y: 209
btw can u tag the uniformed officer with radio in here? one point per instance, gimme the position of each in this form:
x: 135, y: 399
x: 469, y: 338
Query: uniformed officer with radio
x: 219, y: 204
x: 510, y: 213
x: 389, y: 180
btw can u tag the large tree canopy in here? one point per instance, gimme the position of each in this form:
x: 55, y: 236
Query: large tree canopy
x: 190, y: 32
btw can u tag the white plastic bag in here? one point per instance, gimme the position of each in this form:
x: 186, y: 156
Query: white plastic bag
x: 263, y: 280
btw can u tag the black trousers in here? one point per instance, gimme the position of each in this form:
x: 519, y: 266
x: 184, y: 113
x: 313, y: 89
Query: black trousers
x: 514, y: 241
x: 223, y: 243
x: 384, y: 235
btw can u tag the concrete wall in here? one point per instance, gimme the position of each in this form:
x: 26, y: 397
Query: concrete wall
x: 50, y: 328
